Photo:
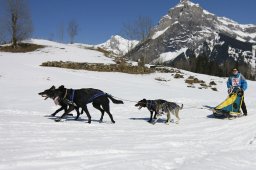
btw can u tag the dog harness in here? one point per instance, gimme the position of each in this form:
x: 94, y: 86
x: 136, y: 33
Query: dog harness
x: 96, y: 96
x: 150, y: 105
x: 71, y: 98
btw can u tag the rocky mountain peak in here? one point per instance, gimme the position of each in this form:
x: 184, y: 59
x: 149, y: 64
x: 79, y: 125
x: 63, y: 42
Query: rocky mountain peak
x: 188, y: 30
x: 184, y: 1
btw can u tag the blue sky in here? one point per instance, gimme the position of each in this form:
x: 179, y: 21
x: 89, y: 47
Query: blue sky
x: 99, y: 19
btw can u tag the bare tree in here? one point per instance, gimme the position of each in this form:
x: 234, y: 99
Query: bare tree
x: 144, y: 25
x: 2, y: 35
x: 128, y: 31
x: 51, y: 36
x: 17, y: 20
x: 139, y: 29
x: 3, y: 22
x: 72, y: 30
x: 60, y: 32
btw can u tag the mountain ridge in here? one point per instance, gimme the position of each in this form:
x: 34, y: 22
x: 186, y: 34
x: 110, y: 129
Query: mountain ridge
x: 189, y: 26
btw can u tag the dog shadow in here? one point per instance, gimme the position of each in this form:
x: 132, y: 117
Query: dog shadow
x: 147, y: 120
x: 70, y: 118
x: 144, y: 119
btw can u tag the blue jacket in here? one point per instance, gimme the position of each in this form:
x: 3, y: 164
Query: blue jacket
x: 237, y: 81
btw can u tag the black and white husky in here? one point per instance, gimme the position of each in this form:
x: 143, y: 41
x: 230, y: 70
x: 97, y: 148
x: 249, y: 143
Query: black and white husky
x: 160, y: 107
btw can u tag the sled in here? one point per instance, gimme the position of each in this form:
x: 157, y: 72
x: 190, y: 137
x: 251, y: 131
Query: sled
x: 229, y: 108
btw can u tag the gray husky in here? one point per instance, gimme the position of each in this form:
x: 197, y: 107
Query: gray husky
x: 168, y: 108
x: 151, y: 105
x: 160, y: 107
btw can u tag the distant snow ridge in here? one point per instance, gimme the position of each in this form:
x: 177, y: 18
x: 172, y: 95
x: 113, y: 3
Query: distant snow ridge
x: 118, y: 45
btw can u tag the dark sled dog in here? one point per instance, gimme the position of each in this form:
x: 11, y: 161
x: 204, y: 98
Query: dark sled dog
x: 151, y: 105
x: 50, y: 93
x: 160, y: 107
x: 81, y: 97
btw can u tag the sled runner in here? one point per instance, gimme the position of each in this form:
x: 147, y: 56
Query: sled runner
x: 229, y: 108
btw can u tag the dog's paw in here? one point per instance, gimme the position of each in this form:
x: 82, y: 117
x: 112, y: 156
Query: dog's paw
x: 167, y: 123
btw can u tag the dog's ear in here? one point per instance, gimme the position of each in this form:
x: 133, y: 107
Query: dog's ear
x: 143, y: 101
x: 61, y: 87
x: 52, y: 88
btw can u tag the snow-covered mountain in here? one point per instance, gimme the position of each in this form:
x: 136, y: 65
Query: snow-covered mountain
x: 30, y: 139
x: 118, y: 45
x: 188, y: 30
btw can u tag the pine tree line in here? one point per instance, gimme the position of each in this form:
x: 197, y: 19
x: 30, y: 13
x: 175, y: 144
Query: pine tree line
x: 202, y: 64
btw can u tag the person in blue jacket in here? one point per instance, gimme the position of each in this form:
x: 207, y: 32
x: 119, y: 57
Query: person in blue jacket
x: 237, y: 80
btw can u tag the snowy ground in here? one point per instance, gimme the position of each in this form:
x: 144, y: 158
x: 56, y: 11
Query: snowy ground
x: 30, y: 140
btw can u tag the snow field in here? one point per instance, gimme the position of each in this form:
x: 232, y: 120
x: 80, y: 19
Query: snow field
x: 32, y: 140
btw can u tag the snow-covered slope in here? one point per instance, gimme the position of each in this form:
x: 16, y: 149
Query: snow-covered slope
x: 30, y: 140
x: 57, y: 51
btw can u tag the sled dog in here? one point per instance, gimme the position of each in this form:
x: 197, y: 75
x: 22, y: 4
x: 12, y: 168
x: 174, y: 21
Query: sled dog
x: 160, y: 107
x: 49, y: 93
x: 81, y: 97
x: 169, y: 108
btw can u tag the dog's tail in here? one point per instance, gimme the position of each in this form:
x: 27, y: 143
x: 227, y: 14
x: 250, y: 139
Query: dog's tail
x: 181, y: 107
x: 114, y: 100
